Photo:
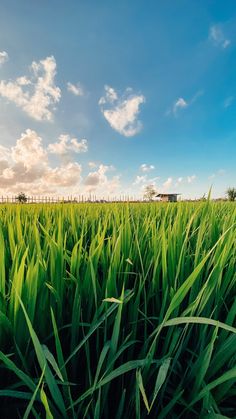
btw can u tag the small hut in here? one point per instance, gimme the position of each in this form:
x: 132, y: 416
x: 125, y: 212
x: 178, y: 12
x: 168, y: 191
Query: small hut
x: 167, y: 197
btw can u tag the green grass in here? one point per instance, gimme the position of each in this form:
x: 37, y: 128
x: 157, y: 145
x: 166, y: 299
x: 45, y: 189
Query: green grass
x: 118, y: 311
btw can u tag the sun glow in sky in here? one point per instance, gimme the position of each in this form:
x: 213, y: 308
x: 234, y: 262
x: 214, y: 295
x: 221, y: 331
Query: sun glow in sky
x: 108, y: 97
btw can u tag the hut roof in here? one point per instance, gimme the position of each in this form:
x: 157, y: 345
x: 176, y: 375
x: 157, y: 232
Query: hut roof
x: 167, y: 194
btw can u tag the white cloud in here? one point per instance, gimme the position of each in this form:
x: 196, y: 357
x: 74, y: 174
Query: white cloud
x: 190, y: 179
x: 147, y: 167
x: 110, y: 96
x: 3, y: 57
x: 97, y: 177
x: 179, y: 104
x: 76, y: 89
x: 182, y: 103
x: 66, y: 144
x: 26, y: 161
x: 28, y: 149
x: 23, y: 81
x: 168, y: 183
x: 92, y: 164
x: 79, y: 146
x: 4, y: 153
x: 99, y: 182
x: 66, y: 175
x: 36, y: 95
x: 26, y: 166
x: 179, y: 181
x: 122, y: 113
x: 144, y: 180
x: 217, y: 36
x: 140, y: 179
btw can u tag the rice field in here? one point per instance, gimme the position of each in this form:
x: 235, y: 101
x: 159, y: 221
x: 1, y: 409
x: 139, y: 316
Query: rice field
x: 118, y: 311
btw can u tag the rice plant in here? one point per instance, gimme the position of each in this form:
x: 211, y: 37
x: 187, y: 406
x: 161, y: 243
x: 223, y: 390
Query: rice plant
x: 118, y: 310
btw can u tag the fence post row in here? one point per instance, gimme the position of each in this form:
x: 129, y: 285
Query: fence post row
x: 76, y: 199
x: 80, y: 199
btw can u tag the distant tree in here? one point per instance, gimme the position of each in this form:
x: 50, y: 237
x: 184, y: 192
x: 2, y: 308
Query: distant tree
x: 231, y: 194
x: 149, y: 192
x: 22, y: 198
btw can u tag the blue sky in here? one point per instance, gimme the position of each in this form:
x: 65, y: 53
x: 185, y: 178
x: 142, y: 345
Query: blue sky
x: 107, y: 97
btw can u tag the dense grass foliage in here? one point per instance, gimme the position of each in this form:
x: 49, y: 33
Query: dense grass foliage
x: 118, y: 311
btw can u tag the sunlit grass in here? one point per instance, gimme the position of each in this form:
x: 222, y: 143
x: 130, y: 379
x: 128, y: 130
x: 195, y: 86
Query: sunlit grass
x: 118, y: 310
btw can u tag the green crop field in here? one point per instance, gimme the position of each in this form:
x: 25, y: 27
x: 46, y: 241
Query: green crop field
x: 118, y: 311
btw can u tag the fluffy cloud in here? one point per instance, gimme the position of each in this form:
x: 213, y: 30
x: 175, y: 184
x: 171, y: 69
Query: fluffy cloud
x: 26, y: 167
x: 144, y: 180
x: 122, y: 113
x: 76, y: 89
x: 216, y: 35
x: 66, y: 144
x: 147, y: 167
x: 28, y: 149
x: 36, y: 95
x: 140, y: 180
x: 25, y: 162
x: 98, y: 181
x: 4, y: 153
x: 67, y: 175
x: 168, y: 183
x: 92, y: 164
x: 97, y: 177
x: 3, y: 57
x: 110, y: 96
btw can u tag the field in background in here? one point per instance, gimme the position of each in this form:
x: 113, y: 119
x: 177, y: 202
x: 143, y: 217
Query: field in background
x: 118, y: 310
